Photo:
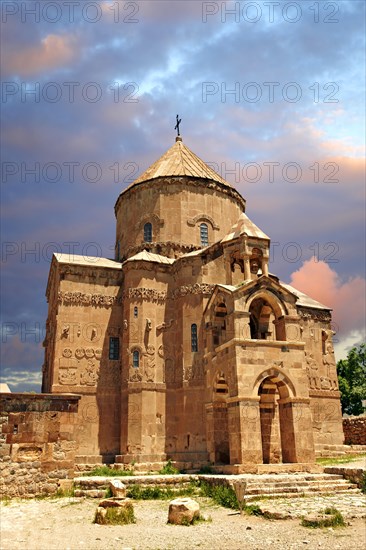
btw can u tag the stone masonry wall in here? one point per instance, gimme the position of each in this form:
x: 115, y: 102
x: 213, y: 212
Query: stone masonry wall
x: 37, y: 445
x: 354, y: 429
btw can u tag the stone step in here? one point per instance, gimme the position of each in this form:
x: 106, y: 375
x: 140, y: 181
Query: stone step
x: 298, y: 478
x: 250, y: 498
x: 326, y: 488
x: 336, y: 480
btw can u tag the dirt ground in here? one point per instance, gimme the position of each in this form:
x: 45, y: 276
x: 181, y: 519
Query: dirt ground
x: 67, y: 524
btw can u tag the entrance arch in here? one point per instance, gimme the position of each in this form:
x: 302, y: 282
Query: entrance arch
x: 276, y: 421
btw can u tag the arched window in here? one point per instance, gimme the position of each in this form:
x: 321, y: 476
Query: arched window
x: 136, y: 359
x: 194, y: 339
x: 135, y: 312
x: 204, y: 234
x: 148, y: 232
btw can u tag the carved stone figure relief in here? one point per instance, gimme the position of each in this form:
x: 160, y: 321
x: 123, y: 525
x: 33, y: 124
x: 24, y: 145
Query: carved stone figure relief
x: 165, y: 326
x: 67, y: 376
x: 90, y: 375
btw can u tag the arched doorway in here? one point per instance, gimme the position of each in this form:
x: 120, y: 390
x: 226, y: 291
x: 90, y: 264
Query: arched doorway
x: 266, y: 319
x: 220, y: 421
x: 276, y: 421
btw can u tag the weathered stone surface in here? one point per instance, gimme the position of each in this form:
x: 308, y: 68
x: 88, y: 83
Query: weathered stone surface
x: 35, y: 463
x: 354, y: 429
x: 115, y: 511
x: 187, y: 319
x: 118, y: 488
x: 183, y: 511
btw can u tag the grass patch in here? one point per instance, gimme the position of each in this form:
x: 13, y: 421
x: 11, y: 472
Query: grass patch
x: 331, y: 517
x: 339, y: 460
x: 160, y: 493
x: 5, y: 500
x: 223, y: 495
x: 168, y: 469
x: 116, y: 516
x: 106, y: 471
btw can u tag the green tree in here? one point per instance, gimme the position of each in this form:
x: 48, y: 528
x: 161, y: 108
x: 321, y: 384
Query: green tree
x: 352, y: 380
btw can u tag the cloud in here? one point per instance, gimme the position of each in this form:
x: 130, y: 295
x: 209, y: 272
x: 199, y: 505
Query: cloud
x: 347, y: 299
x: 54, y: 51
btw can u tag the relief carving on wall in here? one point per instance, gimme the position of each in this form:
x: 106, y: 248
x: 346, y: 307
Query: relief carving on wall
x: 65, y: 331
x: 311, y: 369
x: 67, y: 376
x: 153, y: 295
x: 82, y: 299
x: 314, y: 314
x: 165, y: 326
x: 149, y: 370
x: 90, y: 375
x: 67, y: 352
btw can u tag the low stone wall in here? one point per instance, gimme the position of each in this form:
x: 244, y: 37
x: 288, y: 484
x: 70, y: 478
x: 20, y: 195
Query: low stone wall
x: 37, y: 446
x: 354, y: 429
x: 355, y: 475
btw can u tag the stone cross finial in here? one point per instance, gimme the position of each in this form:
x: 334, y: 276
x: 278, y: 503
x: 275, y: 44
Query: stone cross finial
x: 176, y: 127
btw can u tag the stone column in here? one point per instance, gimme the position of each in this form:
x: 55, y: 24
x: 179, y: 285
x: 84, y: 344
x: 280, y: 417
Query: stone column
x: 210, y: 432
x: 296, y: 427
x: 245, y: 431
x: 247, y: 269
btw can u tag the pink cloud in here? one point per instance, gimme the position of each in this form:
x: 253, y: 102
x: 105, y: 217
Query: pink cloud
x: 347, y: 299
x: 54, y: 51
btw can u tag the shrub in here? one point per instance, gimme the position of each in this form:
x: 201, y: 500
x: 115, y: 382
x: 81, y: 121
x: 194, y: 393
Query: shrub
x: 168, y: 469
x: 221, y: 494
x: 116, y: 516
x: 106, y: 471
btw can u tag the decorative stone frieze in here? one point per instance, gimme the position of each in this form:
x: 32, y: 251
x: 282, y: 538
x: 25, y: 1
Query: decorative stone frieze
x: 83, y: 299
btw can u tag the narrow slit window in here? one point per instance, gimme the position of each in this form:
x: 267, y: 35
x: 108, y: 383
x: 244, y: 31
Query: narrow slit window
x: 194, y: 339
x: 136, y: 359
x: 113, y: 348
x: 148, y: 232
x: 135, y: 312
x: 204, y: 234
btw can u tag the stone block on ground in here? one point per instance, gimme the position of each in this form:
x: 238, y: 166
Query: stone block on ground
x: 182, y: 511
x: 118, y: 488
x: 115, y: 512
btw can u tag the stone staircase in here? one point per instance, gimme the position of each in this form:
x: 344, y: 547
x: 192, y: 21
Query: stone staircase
x: 331, y: 451
x: 257, y: 485
x: 296, y: 485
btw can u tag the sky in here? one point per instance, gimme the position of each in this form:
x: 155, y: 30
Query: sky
x: 271, y: 95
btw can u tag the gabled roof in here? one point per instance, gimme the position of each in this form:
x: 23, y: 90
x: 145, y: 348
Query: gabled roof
x: 303, y: 299
x: 150, y: 257
x: 179, y: 160
x: 244, y: 226
x: 91, y: 261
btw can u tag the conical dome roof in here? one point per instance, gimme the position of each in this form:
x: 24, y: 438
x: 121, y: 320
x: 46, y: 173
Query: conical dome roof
x: 178, y: 161
x: 244, y: 226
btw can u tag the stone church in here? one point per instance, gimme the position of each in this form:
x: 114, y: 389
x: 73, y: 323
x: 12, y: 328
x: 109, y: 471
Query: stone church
x: 185, y: 346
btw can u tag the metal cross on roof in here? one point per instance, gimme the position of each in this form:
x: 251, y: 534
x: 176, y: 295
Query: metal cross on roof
x: 176, y: 127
